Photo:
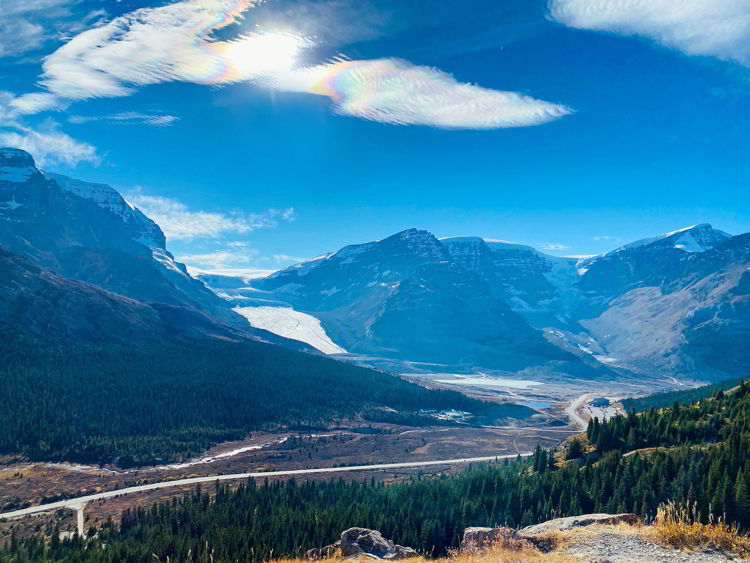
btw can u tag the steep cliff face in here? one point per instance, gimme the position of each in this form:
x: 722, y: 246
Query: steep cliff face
x: 88, y: 232
x: 139, y: 227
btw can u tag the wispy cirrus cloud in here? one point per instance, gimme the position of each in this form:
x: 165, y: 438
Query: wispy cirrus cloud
x: 177, y: 42
x: 397, y: 92
x: 553, y: 246
x: 46, y: 142
x: 127, y: 118
x: 717, y: 28
x: 181, y: 223
x: 25, y: 25
x: 50, y: 147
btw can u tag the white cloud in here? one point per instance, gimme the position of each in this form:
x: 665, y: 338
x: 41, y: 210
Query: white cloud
x: 219, y: 259
x: 553, y: 246
x: 35, y: 102
x: 176, y: 42
x: 180, y: 223
x: 18, y: 35
x: 48, y: 145
x: 25, y: 25
x: 718, y: 28
x: 128, y: 118
x: 398, y: 92
x: 153, y: 45
x: 609, y: 238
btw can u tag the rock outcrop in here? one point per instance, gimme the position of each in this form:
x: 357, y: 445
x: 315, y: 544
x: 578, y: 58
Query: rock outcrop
x: 362, y: 543
x: 479, y: 539
x: 562, y: 524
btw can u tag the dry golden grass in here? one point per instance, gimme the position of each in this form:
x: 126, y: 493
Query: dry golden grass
x: 678, y: 526
x: 492, y: 555
x: 500, y: 554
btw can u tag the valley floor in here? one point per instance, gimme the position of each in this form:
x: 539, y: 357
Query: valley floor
x: 30, y: 484
x: 561, y: 412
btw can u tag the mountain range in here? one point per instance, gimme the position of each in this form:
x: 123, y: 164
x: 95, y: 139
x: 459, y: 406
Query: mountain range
x: 675, y: 304
x: 78, y: 261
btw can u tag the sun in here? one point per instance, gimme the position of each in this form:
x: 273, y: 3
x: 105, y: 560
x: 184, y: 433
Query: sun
x: 266, y: 53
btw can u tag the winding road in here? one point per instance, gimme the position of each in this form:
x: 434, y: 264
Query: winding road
x: 79, y: 503
x: 573, y: 408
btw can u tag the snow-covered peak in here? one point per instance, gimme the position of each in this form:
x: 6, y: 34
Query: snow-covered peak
x: 145, y: 231
x: 696, y: 238
x: 16, y: 166
x: 16, y: 158
x: 103, y: 195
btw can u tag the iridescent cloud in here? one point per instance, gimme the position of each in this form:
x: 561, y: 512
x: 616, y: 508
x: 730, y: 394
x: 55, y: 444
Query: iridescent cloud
x: 177, y: 42
x: 398, y: 92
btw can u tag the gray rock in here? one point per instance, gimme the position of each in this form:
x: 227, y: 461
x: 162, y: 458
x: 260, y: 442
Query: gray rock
x: 579, y: 521
x: 362, y: 543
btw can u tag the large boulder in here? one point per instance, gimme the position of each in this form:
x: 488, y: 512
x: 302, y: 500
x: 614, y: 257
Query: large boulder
x: 570, y: 522
x: 362, y: 543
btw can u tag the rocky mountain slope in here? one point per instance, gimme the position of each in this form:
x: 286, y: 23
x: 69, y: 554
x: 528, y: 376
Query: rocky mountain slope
x: 672, y: 304
x: 76, y: 231
x: 407, y: 297
x: 36, y: 302
x: 89, y: 233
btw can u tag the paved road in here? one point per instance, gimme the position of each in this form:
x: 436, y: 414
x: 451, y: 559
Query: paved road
x: 77, y: 503
x: 535, y: 429
x: 573, y: 407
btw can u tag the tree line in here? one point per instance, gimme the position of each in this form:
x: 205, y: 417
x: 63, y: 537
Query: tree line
x: 169, y: 401
x: 704, y: 462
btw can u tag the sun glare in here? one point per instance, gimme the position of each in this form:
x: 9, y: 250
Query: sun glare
x: 267, y: 53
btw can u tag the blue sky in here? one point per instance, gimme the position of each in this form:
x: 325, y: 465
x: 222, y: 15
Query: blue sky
x: 262, y: 133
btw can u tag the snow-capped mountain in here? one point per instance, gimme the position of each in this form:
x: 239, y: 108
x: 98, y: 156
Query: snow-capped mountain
x: 677, y: 303
x: 143, y: 229
x: 407, y: 297
x: 537, y: 286
x: 673, y: 304
x: 89, y: 233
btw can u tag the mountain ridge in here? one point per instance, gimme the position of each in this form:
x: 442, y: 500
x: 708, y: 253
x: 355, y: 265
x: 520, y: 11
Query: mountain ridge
x: 660, y: 305
x: 87, y: 232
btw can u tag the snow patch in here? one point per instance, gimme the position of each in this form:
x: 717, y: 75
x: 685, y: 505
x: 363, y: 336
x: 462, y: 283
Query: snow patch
x: 289, y: 323
x: 165, y: 260
x: 12, y: 204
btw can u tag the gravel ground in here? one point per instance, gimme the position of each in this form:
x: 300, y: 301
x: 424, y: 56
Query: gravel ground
x: 616, y: 548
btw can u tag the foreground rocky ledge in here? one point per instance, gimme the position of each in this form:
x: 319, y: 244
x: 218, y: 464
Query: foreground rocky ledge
x: 591, y: 538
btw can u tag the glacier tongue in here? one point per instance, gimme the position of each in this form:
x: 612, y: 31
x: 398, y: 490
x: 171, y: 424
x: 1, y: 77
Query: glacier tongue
x: 289, y: 323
